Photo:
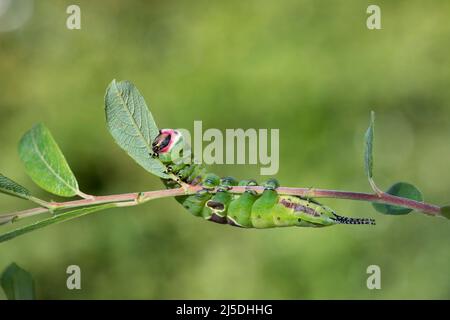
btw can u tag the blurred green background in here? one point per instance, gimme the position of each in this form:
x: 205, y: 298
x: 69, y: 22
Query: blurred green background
x: 311, y: 69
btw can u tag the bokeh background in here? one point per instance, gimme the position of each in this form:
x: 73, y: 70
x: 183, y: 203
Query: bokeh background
x: 311, y: 69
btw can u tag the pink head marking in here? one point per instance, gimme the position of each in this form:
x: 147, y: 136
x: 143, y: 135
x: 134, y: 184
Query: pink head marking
x: 165, y: 140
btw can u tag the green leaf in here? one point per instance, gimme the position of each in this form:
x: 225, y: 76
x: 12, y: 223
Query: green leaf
x: 368, y: 153
x: 368, y: 150
x: 58, y: 218
x: 45, y: 163
x: 12, y: 188
x: 399, y: 189
x: 131, y: 124
x: 17, y: 283
x: 445, y: 211
x: 7, y: 218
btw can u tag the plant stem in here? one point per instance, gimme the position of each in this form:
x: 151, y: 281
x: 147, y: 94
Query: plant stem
x: 132, y: 199
x: 382, y: 197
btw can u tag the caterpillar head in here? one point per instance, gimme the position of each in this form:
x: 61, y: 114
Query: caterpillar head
x: 168, y: 144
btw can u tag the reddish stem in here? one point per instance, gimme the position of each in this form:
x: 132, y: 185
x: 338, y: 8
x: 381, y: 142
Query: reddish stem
x: 137, y: 198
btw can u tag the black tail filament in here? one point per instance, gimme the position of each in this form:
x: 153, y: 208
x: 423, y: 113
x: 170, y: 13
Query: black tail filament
x: 347, y: 220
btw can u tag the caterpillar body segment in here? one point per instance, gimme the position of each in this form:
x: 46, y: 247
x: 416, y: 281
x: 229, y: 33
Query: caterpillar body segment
x: 247, y: 210
x: 239, y: 209
x: 261, y: 215
x: 216, y: 208
x: 196, y: 202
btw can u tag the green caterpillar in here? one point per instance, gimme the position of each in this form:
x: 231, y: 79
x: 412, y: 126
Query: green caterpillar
x: 246, y: 210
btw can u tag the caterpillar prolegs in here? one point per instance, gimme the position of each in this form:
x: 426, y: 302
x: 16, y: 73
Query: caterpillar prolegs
x: 247, y: 210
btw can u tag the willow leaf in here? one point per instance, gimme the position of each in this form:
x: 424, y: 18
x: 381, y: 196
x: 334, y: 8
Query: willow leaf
x: 17, y: 283
x: 368, y: 150
x: 445, y: 211
x: 45, y: 163
x: 403, y: 190
x: 58, y: 218
x: 12, y: 188
x: 368, y: 153
x: 131, y: 124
